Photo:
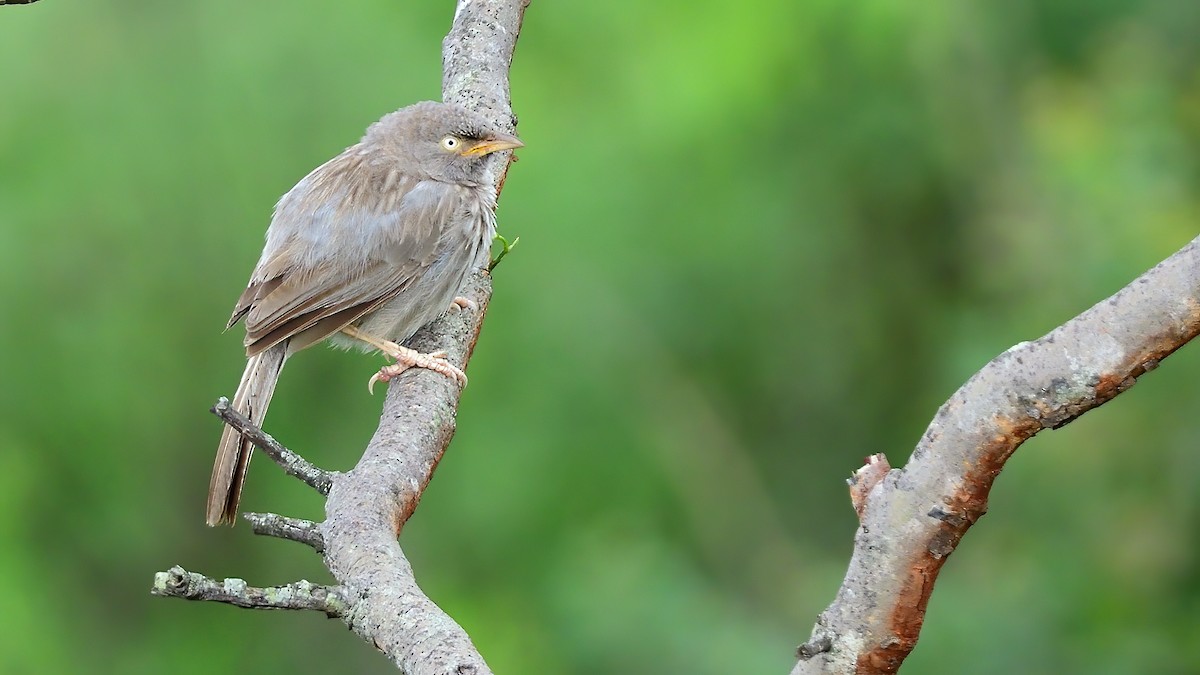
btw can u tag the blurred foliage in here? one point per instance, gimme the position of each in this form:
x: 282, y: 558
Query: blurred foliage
x: 759, y: 242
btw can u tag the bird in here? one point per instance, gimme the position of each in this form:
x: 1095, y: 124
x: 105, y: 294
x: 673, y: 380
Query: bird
x: 362, y: 252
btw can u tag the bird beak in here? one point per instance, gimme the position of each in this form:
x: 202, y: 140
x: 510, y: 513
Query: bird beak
x: 494, y: 143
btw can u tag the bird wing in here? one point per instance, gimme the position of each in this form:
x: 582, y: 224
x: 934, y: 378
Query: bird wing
x: 351, y: 236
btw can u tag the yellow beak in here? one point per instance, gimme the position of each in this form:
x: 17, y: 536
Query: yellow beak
x: 495, y: 143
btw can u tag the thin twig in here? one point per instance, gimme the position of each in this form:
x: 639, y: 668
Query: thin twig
x: 283, y: 527
x: 913, y: 518
x: 292, y: 464
x: 180, y: 583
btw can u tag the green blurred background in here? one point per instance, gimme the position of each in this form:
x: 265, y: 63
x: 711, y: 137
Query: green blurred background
x: 759, y: 241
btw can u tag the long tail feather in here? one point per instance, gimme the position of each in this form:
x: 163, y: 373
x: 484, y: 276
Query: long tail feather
x: 233, y: 454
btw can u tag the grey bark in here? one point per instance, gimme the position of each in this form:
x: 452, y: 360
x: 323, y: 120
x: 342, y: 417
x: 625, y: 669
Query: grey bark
x: 368, y: 505
x: 913, y: 517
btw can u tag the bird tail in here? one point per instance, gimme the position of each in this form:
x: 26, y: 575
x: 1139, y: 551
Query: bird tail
x: 233, y: 454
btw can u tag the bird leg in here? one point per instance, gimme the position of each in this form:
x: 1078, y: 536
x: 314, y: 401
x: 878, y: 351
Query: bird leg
x: 405, y: 358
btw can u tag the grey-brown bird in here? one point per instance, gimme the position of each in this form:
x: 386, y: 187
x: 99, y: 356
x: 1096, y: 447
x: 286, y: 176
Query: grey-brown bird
x: 366, y: 249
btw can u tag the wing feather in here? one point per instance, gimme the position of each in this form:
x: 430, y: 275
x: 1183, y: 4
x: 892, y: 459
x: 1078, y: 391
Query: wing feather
x: 350, y: 237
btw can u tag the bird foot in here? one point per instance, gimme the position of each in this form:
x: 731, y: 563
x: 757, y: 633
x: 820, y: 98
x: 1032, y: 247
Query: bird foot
x: 410, y: 358
x: 460, y: 303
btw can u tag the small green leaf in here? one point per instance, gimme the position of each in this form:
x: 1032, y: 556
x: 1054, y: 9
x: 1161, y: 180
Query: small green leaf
x: 505, y: 247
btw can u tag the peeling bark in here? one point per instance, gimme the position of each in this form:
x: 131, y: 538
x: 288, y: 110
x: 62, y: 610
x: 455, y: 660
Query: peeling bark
x: 914, y: 517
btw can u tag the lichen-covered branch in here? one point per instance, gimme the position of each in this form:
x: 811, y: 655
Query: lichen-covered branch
x: 292, y: 464
x: 293, y: 529
x: 180, y: 583
x: 913, y: 518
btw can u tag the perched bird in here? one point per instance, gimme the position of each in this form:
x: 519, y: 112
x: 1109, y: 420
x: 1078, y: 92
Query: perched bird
x: 366, y: 249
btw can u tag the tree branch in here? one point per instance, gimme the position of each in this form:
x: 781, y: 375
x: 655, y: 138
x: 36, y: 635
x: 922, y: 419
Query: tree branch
x: 369, y: 505
x: 378, y: 596
x: 180, y: 583
x: 292, y: 464
x: 913, y: 518
x: 292, y: 529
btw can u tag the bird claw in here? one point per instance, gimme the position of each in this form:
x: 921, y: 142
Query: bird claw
x: 410, y: 358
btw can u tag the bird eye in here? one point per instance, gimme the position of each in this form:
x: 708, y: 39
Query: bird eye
x: 450, y: 143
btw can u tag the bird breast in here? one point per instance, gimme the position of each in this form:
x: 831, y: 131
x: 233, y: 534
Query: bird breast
x: 465, y: 230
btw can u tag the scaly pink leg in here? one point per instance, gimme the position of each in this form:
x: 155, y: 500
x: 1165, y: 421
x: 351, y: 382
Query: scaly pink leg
x: 406, y: 358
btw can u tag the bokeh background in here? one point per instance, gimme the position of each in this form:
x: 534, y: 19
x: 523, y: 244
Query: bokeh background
x: 759, y: 241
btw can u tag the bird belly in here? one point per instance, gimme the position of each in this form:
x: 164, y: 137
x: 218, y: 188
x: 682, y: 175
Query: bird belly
x: 425, y: 300
x: 430, y: 292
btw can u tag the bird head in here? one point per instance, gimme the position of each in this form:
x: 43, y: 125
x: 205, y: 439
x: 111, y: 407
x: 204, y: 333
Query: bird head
x: 439, y: 141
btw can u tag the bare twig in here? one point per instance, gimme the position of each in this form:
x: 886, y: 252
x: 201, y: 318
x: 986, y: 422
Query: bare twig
x: 293, y: 529
x: 913, y: 518
x: 180, y: 583
x: 292, y: 464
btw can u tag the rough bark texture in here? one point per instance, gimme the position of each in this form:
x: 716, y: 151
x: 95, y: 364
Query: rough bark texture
x: 368, y: 505
x: 180, y: 583
x: 913, y: 518
x: 293, y: 529
x: 292, y: 464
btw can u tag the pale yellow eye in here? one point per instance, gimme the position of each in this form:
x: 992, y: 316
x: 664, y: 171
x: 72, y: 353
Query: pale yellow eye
x: 451, y: 143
